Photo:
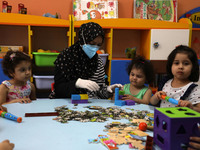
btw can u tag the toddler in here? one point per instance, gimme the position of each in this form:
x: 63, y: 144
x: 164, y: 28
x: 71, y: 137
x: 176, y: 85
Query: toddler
x: 17, y: 66
x: 182, y: 71
x: 140, y: 72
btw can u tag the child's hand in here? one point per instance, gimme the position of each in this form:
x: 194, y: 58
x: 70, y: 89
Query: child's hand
x: 195, y: 143
x: 22, y: 101
x: 3, y: 108
x: 6, y: 145
x: 25, y: 100
x: 127, y: 97
x: 159, y: 94
x: 185, y: 104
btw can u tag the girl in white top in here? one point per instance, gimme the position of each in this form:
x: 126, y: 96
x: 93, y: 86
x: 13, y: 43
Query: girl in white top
x: 183, y: 71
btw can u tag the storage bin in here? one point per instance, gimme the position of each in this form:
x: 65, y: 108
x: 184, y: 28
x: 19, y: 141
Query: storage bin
x: 43, y: 82
x: 45, y: 59
x: 104, y: 58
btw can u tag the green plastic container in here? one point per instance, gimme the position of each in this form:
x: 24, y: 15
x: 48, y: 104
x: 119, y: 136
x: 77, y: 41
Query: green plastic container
x: 45, y: 59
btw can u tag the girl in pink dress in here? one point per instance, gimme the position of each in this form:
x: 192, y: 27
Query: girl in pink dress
x: 17, y: 66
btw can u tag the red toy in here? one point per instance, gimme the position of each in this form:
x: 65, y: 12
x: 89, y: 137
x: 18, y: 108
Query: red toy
x: 143, y: 126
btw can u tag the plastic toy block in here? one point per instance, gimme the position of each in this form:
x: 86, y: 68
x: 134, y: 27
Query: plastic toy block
x: 79, y: 101
x: 116, y: 94
x: 120, y: 96
x: 121, y: 92
x: 120, y: 103
x: 84, y: 96
x: 130, y: 102
x: 173, y: 127
x: 75, y: 97
x: 10, y: 116
x: 171, y: 100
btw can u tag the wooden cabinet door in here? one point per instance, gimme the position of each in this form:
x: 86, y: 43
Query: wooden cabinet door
x: 167, y: 40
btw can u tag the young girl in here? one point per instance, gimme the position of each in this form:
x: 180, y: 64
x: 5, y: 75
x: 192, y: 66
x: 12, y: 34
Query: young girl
x: 140, y: 72
x: 17, y: 66
x: 183, y: 71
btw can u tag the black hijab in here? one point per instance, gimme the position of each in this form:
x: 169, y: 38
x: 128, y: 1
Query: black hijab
x: 73, y: 62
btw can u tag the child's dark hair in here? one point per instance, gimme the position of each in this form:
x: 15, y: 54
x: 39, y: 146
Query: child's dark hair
x: 11, y: 60
x: 194, y: 76
x: 139, y: 62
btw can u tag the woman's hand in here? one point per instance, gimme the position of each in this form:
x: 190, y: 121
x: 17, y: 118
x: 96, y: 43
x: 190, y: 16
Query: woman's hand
x: 111, y: 88
x: 87, y: 84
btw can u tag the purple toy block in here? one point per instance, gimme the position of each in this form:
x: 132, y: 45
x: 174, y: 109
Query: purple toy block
x: 79, y: 101
x: 173, y: 127
x: 120, y: 103
x: 130, y: 102
x: 120, y: 96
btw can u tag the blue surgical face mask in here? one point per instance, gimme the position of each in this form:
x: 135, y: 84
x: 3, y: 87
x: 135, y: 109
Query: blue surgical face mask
x: 90, y: 50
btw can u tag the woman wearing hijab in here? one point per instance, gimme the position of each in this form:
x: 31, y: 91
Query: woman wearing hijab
x: 79, y: 69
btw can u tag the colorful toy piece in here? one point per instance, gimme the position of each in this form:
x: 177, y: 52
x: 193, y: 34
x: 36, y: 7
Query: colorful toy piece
x: 171, y: 100
x: 143, y: 126
x: 79, y: 98
x: 109, y: 143
x: 10, y: 116
x: 173, y: 127
x: 118, y: 96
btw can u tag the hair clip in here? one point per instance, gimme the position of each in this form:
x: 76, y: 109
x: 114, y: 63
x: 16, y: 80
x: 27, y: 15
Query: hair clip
x: 12, y: 56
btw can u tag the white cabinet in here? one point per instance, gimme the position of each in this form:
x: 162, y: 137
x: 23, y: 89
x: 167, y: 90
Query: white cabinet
x: 167, y: 39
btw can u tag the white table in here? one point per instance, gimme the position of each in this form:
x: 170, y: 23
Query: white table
x: 43, y: 133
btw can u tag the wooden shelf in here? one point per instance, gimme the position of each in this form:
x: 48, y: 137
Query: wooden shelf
x: 131, y: 23
x: 196, y: 29
x: 22, y: 19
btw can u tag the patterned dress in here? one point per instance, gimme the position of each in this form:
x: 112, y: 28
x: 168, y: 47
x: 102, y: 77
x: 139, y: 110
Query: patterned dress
x: 17, y: 92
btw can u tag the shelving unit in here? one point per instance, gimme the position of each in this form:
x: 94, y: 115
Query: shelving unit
x: 33, y: 33
x: 140, y: 33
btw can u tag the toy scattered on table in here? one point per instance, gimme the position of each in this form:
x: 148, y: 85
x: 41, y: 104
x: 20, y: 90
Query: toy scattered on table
x: 130, y: 52
x: 10, y: 116
x: 143, y: 126
x: 95, y: 141
x: 128, y: 135
x: 118, y: 96
x: 65, y: 114
x: 79, y: 98
x: 175, y: 124
x: 109, y: 143
x: 42, y: 114
x: 171, y: 100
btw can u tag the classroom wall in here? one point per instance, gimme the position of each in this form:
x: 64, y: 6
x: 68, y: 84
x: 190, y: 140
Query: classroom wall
x: 64, y: 7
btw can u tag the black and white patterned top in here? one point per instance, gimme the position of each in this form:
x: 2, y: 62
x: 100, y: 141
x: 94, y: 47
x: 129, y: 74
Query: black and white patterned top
x: 72, y: 63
